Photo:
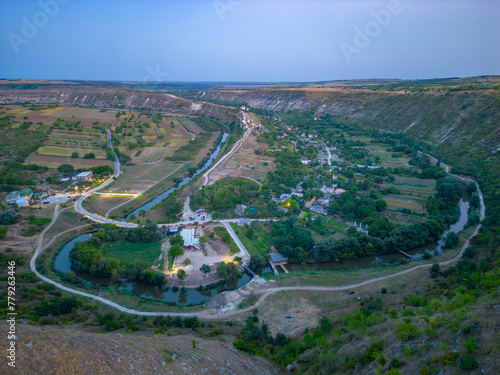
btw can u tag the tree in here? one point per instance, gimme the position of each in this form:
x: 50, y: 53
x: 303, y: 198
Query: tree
x: 176, y: 240
x: 435, y: 270
x: 205, y: 268
x: 203, y: 239
x: 449, y: 189
x: 175, y: 250
x: 8, y: 217
x: 181, y: 274
x: 257, y: 262
x: 380, y: 205
x: 66, y: 168
x: 451, y: 240
x: 89, y: 155
x: 75, y: 155
x: 225, y: 270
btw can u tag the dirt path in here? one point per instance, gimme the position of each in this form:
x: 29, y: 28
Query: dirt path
x: 235, y: 148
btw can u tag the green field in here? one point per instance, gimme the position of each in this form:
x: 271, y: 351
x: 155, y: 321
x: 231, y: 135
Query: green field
x: 386, y: 159
x: 127, y: 252
x: 43, y: 128
x: 190, y: 125
x: 138, y: 178
x: 259, y: 243
x: 67, y: 151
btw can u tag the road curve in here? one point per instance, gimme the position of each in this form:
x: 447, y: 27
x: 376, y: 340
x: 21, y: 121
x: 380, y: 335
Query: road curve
x: 211, y: 314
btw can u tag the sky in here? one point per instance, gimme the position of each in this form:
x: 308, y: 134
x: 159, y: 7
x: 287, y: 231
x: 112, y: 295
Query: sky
x: 248, y: 40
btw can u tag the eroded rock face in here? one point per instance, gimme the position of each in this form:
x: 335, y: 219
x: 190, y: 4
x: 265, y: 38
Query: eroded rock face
x: 436, y: 117
x: 119, y: 98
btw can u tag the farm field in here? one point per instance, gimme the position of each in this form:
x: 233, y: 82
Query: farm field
x: 256, y: 240
x: 190, y: 125
x: 56, y: 161
x: 160, y: 137
x: 386, y: 159
x: 67, y: 151
x: 246, y: 164
x: 139, y: 178
x: 49, y: 114
x: 85, y: 113
x: 127, y: 252
x: 413, y: 194
x: 394, y: 202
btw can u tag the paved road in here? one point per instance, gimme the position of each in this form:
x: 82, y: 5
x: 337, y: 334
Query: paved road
x: 211, y: 314
x: 243, y: 251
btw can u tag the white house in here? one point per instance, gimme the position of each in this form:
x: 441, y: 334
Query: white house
x: 82, y: 176
x: 305, y: 160
x: 23, y: 202
x: 188, y: 237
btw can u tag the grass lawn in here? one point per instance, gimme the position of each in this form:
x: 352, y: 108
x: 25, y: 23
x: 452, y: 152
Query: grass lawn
x: 127, y: 252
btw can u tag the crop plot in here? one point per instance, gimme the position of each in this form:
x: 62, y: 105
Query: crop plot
x: 67, y: 151
x: 190, y: 125
x: 245, y: 163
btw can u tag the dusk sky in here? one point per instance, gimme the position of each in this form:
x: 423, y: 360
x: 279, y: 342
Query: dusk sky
x: 248, y: 40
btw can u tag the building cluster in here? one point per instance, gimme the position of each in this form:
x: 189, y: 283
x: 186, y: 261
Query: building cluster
x: 21, y: 198
x: 82, y: 176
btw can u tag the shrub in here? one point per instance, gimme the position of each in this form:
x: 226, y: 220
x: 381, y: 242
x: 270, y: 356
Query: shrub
x: 435, y: 270
x: 468, y: 362
x: 471, y: 345
x: 407, y: 331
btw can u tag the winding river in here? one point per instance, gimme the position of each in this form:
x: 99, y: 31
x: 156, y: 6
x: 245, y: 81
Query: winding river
x: 153, y: 202
x: 186, y: 297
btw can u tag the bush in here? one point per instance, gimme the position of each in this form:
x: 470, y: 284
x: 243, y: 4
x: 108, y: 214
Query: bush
x: 8, y: 217
x: 468, y: 362
x: 66, y: 169
x: 435, y: 270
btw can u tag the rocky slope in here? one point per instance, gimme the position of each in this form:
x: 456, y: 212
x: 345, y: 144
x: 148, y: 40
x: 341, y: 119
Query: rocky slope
x: 115, y: 98
x: 49, y: 350
x: 456, y: 117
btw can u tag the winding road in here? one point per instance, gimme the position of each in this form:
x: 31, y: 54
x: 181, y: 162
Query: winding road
x: 213, y: 314
x: 249, y: 126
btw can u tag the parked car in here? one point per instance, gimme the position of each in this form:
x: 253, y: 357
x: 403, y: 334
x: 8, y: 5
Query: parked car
x: 288, y: 316
x: 350, y: 292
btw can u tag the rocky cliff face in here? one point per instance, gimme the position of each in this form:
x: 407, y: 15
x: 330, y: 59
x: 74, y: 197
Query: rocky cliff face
x: 456, y: 117
x: 118, y: 98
